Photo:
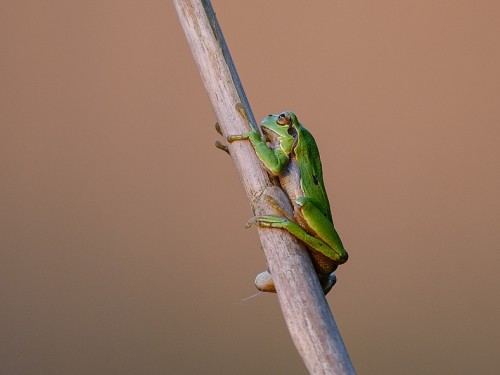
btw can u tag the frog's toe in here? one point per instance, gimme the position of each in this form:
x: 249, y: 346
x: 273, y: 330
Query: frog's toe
x: 218, y: 128
x: 221, y: 146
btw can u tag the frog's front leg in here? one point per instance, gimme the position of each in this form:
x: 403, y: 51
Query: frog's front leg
x: 325, y: 239
x: 274, y: 159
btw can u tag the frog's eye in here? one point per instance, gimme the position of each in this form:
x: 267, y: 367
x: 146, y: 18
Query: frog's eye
x: 283, y: 119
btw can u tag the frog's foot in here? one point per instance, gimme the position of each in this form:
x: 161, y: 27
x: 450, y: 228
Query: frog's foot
x: 327, y: 281
x: 270, y: 221
x: 253, y: 134
x: 218, y: 144
x: 264, y: 282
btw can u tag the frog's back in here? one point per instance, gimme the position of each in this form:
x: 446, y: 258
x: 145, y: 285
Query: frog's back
x: 309, y: 162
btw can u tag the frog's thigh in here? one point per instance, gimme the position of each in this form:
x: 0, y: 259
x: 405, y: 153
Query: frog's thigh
x: 322, y: 226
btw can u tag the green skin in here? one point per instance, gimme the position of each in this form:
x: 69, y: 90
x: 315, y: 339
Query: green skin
x: 290, y: 153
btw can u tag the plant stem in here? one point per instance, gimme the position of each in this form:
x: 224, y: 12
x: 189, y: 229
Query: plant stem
x: 306, y: 312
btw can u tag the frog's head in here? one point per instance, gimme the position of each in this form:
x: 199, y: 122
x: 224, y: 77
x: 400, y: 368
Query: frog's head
x: 283, y: 127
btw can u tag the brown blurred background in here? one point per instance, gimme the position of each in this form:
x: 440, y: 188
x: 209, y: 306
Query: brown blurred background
x: 122, y: 246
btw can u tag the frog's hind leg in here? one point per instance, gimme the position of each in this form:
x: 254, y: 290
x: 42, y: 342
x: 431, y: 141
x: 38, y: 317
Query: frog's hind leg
x: 324, y: 238
x: 323, y: 228
x: 297, y: 231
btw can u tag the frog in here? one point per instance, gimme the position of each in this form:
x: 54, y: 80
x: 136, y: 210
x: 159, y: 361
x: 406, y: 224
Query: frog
x: 289, y: 152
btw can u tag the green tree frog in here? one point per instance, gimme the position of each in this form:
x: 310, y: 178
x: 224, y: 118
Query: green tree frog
x: 289, y: 152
